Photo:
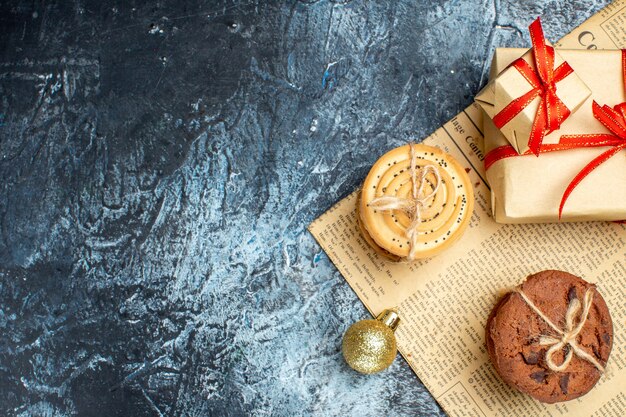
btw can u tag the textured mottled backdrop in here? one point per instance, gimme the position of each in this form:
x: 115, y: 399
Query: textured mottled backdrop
x: 159, y: 162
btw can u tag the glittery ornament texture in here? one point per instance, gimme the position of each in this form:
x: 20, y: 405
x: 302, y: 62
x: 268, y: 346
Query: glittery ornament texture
x: 369, y: 346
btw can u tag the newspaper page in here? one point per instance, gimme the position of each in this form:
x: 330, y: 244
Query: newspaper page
x: 444, y: 301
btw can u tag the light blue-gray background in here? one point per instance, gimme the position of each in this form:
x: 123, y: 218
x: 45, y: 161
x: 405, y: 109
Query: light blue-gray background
x: 159, y: 163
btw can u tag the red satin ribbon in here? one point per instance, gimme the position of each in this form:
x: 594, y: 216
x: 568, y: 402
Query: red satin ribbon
x: 551, y: 111
x: 614, y: 119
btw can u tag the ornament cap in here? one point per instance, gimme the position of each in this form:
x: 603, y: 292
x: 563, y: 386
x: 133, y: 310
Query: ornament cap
x: 390, y: 318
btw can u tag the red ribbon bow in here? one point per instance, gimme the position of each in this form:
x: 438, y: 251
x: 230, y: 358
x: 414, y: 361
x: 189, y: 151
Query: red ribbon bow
x: 551, y: 111
x: 614, y: 119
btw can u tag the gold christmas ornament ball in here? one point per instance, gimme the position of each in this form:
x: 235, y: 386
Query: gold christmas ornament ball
x: 369, y: 346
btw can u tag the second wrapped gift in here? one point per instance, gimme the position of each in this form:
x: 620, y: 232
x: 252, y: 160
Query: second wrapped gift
x: 534, y: 95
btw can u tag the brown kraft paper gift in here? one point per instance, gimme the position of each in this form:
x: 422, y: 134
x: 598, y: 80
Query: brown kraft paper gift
x: 528, y: 189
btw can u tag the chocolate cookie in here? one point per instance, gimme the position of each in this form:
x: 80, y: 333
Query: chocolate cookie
x: 519, y: 340
x: 443, y: 216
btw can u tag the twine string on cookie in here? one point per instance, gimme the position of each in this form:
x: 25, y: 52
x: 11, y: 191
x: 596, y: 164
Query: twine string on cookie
x: 412, y: 206
x: 568, y: 335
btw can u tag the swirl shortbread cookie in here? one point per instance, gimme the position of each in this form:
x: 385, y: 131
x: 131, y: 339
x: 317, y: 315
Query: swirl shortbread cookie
x: 443, y: 217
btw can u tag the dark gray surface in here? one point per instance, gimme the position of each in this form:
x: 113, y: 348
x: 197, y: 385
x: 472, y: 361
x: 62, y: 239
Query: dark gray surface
x: 159, y: 163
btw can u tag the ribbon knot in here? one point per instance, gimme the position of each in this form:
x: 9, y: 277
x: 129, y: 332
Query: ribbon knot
x: 550, y: 88
x: 575, y: 319
x: 414, y: 205
x: 551, y: 112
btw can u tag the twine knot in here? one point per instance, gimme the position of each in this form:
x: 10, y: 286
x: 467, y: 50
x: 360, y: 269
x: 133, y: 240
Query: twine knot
x: 575, y: 320
x: 414, y: 205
